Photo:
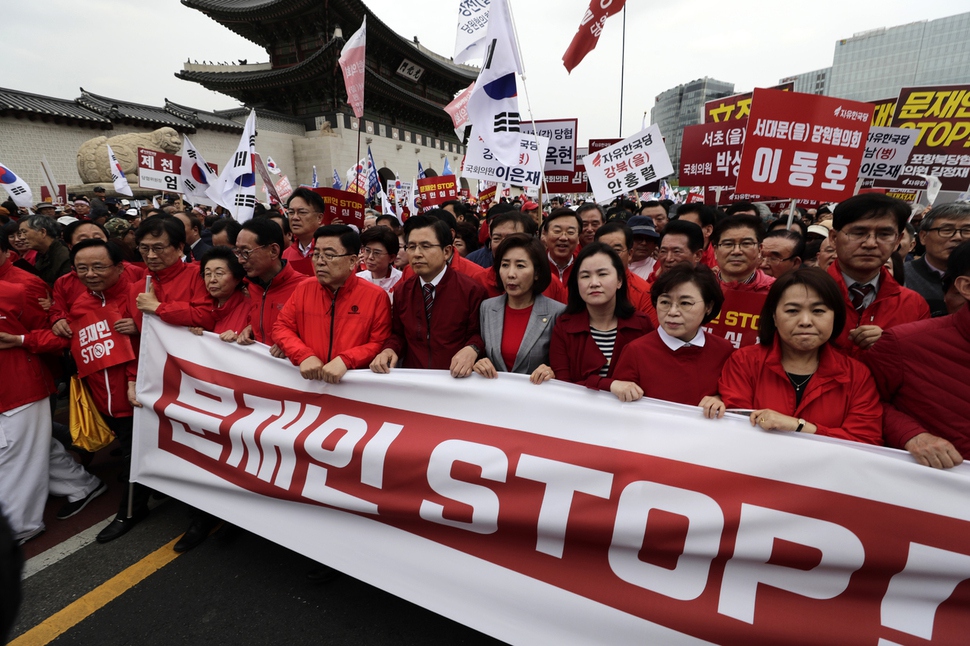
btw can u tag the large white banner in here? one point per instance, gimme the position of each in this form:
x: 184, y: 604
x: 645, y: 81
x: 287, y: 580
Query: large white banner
x: 628, y: 165
x: 472, y: 26
x: 554, y: 514
x: 482, y: 163
x: 887, y: 150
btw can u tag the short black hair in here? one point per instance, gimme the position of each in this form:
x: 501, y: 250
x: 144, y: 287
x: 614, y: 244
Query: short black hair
x: 70, y: 229
x: 194, y: 221
x: 223, y: 253
x: 442, y: 231
x: 743, y: 221
x: 706, y: 214
x: 349, y: 238
x: 958, y: 264
x: 614, y: 226
x: 562, y: 212
x: 590, y: 206
x: 444, y: 216
x: 701, y: 276
x: 694, y: 234
x: 541, y: 272
x: 469, y: 235
x: 113, y: 251
x: 395, y: 223
x: 266, y: 231
x: 231, y: 227
x: 383, y: 236
x: 812, y: 278
x: 624, y: 308
x: 511, y: 215
x: 160, y: 224
x: 311, y: 198
x: 798, y: 251
x: 868, y: 206
x: 651, y: 203
x: 457, y: 205
x: 736, y: 207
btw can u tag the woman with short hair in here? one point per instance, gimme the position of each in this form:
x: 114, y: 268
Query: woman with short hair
x: 378, y: 250
x: 223, y: 278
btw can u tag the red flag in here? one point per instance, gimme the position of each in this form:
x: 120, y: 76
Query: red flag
x: 589, y: 32
x: 352, y: 64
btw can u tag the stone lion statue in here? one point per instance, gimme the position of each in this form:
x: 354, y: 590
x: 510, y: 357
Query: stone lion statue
x: 92, y: 156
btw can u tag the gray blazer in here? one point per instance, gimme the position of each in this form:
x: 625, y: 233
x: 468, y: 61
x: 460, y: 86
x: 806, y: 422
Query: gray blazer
x: 534, y: 350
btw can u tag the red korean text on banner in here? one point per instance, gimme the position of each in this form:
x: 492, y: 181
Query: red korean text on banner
x: 344, y: 206
x: 458, y: 109
x: 803, y: 145
x: 488, y: 194
x: 435, y: 191
x: 736, y: 106
x: 352, y: 65
x: 95, y: 345
x: 711, y: 153
x: 739, y: 317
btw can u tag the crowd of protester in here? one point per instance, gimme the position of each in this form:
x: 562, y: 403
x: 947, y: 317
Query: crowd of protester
x: 862, y: 333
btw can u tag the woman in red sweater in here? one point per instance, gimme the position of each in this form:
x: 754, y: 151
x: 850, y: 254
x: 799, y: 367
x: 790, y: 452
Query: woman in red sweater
x: 223, y: 278
x: 793, y: 379
x: 678, y: 362
x: 599, y: 322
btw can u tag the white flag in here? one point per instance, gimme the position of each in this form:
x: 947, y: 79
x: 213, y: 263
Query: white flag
x: 472, y: 25
x: 118, y: 175
x: 493, y: 107
x: 235, y: 188
x: 386, y: 204
x: 20, y: 193
x: 352, y: 65
x: 48, y: 177
x: 413, y: 196
x: 197, y: 175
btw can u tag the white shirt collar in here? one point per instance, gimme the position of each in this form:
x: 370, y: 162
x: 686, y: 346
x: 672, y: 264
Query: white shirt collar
x: 849, y: 282
x: 437, y: 279
x: 676, y: 344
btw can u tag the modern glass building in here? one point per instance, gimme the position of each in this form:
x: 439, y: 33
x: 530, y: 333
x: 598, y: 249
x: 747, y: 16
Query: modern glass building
x: 815, y: 82
x: 684, y: 106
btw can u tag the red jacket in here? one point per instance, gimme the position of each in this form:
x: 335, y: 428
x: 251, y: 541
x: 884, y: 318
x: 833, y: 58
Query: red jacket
x: 761, y: 283
x: 352, y: 323
x: 482, y: 275
x: 182, y: 294
x: 922, y: 371
x: 894, y: 305
x: 234, y: 315
x: 455, y: 323
x: 709, y: 259
x: 841, y: 398
x: 574, y: 356
x: 69, y: 287
x: 109, y: 387
x: 638, y: 291
x: 26, y: 378
x: 302, y: 264
x: 268, y: 302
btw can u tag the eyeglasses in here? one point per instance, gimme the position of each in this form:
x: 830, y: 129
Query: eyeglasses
x: 729, y: 245
x: 94, y: 269
x: 329, y: 256
x: 664, y: 304
x: 244, y: 254
x: 424, y: 247
x: 300, y: 212
x: 949, y: 232
x: 883, y: 236
x: 218, y: 273
x: 368, y: 251
x: 155, y: 249
x: 774, y: 260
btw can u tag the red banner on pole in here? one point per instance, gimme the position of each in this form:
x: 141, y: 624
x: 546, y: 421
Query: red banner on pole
x: 590, y: 28
x: 435, y: 191
x: 711, y: 153
x: 736, y: 106
x: 342, y: 206
x: 803, y: 145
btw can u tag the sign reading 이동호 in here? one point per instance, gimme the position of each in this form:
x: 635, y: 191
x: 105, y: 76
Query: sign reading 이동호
x: 556, y: 514
x: 803, y: 145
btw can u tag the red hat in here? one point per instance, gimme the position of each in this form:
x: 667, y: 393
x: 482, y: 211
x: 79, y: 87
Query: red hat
x: 530, y: 206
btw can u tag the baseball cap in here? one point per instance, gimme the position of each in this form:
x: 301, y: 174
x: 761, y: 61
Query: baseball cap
x: 641, y: 225
x: 529, y: 205
x: 116, y: 227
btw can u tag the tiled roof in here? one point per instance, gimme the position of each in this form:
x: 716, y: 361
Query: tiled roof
x: 120, y: 110
x: 201, y: 118
x: 47, y: 106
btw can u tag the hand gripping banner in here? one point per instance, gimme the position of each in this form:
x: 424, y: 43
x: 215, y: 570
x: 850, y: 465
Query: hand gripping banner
x: 556, y: 514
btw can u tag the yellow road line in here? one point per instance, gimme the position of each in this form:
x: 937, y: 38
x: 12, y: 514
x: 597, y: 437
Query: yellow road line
x: 63, y: 620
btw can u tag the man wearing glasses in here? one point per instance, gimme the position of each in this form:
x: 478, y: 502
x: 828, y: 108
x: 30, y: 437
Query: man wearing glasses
x: 865, y: 231
x: 781, y: 252
x: 737, y: 250
x: 943, y: 229
x: 435, y: 318
x: 338, y: 322
x: 305, y: 211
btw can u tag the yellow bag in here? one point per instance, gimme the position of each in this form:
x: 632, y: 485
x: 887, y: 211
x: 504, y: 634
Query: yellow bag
x: 88, y: 429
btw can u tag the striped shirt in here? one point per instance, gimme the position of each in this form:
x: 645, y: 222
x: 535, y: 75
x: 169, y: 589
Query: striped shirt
x: 605, y: 342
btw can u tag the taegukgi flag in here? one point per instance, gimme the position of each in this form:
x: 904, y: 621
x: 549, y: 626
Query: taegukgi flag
x: 472, y: 25
x: 235, y: 188
x: 272, y: 166
x: 196, y: 173
x: 493, y: 106
x: 20, y: 193
x: 117, y: 175
x: 352, y: 65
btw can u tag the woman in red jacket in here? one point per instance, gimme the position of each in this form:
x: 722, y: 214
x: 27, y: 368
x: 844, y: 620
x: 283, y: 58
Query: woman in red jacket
x: 223, y: 278
x: 794, y: 380
x: 678, y: 362
x: 598, y: 323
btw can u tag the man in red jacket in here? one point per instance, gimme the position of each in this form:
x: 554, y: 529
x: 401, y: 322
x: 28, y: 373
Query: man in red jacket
x: 305, y: 210
x: 560, y: 235
x: 338, y: 322
x: 865, y: 231
x: 270, y: 280
x: 921, y: 372
x: 175, y: 291
x: 706, y: 218
x: 435, y: 321
x: 737, y: 248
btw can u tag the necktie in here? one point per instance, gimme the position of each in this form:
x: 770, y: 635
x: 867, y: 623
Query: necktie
x: 858, y: 292
x: 428, y: 299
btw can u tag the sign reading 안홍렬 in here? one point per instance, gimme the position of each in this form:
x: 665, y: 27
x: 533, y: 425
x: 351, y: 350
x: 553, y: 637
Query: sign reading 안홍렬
x: 803, y: 145
x: 628, y: 165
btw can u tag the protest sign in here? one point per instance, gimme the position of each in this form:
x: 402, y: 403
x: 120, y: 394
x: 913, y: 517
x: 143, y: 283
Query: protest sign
x: 803, y: 145
x: 487, y: 194
x: 343, y: 205
x: 736, y: 106
x: 710, y: 153
x: 159, y: 171
x: 458, y: 108
x: 96, y: 345
x: 283, y: 188
x: 738, y: 320
x: 556, y: 514
x: 58, y: 200
x: 481, y: 163
x: 435, y: 191
x: 887, y: 151
x: 628, y: 165
x: 269, y: 186
x: 882, y: 114
x: 561, y: 149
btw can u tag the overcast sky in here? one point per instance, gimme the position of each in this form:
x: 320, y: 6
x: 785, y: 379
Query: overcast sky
x: 131, y: 49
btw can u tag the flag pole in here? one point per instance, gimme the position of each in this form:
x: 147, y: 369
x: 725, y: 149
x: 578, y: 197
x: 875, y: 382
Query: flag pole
x: 357, y: 166
x: 622, y: 71
x: 528, y: 102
